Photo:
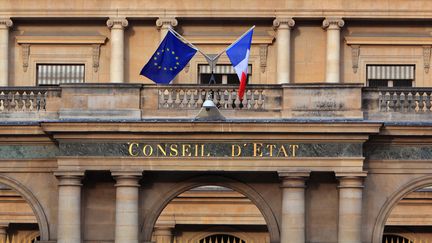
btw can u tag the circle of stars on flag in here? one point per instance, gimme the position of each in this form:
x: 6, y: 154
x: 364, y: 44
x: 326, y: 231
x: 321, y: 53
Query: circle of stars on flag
x: 159, y: 66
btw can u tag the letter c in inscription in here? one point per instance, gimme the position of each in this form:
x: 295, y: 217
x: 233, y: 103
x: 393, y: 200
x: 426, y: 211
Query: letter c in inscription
x: 131, y: 149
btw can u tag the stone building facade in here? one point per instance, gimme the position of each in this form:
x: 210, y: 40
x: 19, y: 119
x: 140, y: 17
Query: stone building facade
x: 331, y: 142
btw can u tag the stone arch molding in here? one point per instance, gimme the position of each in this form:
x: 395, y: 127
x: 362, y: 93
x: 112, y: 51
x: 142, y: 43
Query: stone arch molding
x: 392, y: 201
x: 30, y: 198
x: 243, y: 188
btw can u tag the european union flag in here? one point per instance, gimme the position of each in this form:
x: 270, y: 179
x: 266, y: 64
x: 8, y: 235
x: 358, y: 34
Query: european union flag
x: 170, y: 58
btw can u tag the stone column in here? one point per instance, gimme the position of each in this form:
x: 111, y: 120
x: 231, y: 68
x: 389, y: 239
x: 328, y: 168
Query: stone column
x: 293, y: 206
x: 163, y: 234
x: 283, y: 43
x: 69, y: 207
x: 3, y: 233
x: 163, y: 24
x: 350, y: 207
x: 117, y: 26
x: 5, y: 24
x: 126, y: 217
x: 333, y: 26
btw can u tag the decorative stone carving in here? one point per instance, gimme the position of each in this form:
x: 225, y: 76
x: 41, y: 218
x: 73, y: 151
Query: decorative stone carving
x: 117, y: 23
x: 5, y: 23
x: 355, y: 54
x: 263, y: 57
x: 333, y: 23
x: 286, y: 23
x: 25, y: 52
x: 186, y: 69
x: 426, y: 58
x: 166, y: 22
x: 95, y: 55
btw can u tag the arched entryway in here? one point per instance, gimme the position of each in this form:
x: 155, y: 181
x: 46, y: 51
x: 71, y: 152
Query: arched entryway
x: 407, y: 213
x: 235, y: 187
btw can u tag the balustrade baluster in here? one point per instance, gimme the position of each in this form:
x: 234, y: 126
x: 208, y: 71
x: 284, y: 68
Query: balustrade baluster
x: 386, y: 102
x: 222, y: 101
x: 398, y: 103
x: 253, y: 100
x: 237, y: 101
x: 392, y: 102
x: 428, y: 101
x: 230, y: 99
x: 245, y: 103
x: 162, y: 101
x: 182, y: 98
x: 421, y: 104
x: 2, y: 101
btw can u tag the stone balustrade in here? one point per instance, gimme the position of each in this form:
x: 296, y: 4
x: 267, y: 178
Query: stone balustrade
x: 405, y: 100
x: 397, y: 104
x: 19, y: 102
x: 287, y: 101
x: 224, y: 97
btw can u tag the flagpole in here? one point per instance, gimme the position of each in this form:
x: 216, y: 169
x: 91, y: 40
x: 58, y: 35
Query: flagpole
x: 238, y: 39
x: 183, y: 39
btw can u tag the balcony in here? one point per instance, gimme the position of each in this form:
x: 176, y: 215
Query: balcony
x: 135, y: 102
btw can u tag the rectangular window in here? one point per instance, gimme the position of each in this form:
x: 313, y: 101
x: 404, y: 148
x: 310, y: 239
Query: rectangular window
x: 223, y: 74
x: 390, y: 75
x: 54, y: 74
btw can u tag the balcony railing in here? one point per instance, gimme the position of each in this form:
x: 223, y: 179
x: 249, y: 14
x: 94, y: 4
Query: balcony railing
x: 225, y: 97
x: 289, y: 101
x: 28, y: 103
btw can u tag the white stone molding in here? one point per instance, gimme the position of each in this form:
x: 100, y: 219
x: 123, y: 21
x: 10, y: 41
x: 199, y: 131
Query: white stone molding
x: 5, y: 23
x: 333, y: 23
x: 25, y: 54
x: 95, y: 55
x: 30, y: 42
x: 164, y: 22
x: 355, y: 54
x: 283, y: 23
x: 426, y: 58
x: 117, y: 23
x: 263, y: 57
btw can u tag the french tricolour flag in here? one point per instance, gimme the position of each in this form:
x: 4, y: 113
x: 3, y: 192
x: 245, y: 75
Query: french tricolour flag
x: 238, y: 53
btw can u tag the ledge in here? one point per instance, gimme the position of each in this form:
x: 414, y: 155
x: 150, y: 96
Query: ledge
x: 388, y: 40
x: 60, y: 39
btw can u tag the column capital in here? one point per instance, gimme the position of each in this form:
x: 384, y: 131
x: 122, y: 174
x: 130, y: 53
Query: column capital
x: 117, y: 23
x: 292, y: 179
x: 333, y: 23
x: 283, y: 23
x: 69, y: 178
x: 351, y: 180
x: 5, y: 23
x: 127, y: 178
x: 165, y: 22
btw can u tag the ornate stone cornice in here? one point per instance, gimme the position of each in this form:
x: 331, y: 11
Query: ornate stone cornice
x: 333, y: 23
x: 5, y: 23
x: 117, y: 23
x: 165, y: 22
x: 283, y: 23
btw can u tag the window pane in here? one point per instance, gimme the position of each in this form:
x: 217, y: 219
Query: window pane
x: 221, y: 72
x: 54, y: 74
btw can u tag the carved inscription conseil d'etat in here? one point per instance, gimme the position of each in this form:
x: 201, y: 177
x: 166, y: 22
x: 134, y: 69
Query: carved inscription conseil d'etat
x: 136, y: 149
